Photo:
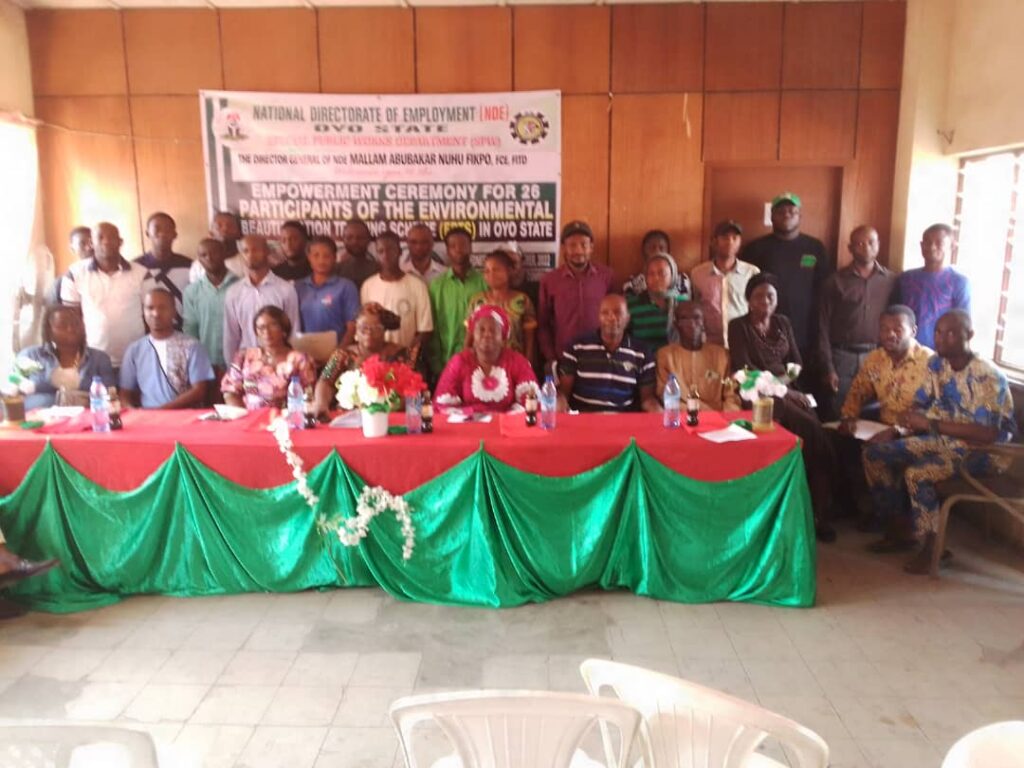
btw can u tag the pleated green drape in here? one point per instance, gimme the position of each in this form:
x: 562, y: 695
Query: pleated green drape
x: 487, y: 534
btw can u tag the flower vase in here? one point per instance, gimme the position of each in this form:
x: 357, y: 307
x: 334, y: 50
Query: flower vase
x: 375, y: 424
x: 14, y: 409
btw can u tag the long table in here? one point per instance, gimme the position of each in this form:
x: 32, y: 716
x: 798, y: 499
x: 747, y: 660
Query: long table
x: 504, y: 514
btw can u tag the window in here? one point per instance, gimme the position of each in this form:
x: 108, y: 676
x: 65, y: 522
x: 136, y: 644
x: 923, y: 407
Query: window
x: 990, y: 251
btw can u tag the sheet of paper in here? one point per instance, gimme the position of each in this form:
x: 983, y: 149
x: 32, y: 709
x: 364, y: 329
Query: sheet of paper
x: 350, y: 420
x: 864, y: 430
x: 460, y: 417
x: 730, y: 434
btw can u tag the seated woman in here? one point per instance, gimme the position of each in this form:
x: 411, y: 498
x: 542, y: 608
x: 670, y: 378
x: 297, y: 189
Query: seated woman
x: 763, y: 341
x: 651, y: 312
x: 258, y: 376
x: 498, y: 270
x: 487, y: 375
x: 371, y: 323
x: 67, y: 363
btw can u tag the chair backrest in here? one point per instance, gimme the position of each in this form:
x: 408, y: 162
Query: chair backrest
x: 686, y: 725
x: 999, y: 745
x: 513, y: 729
x: 53, y: 745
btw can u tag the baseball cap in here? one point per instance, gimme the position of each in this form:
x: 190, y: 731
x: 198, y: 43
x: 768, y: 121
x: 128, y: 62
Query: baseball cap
x: 729, y: 225
x: 576, y: 228
x: 786, y: 197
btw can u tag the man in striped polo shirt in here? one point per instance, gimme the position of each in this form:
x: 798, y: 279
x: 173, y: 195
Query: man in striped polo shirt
x: 607, y: 369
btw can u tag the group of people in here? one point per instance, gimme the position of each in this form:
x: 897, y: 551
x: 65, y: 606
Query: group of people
x: 863, y: 335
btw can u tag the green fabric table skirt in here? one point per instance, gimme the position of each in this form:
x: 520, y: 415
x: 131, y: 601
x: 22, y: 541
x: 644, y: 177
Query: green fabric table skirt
x: 486, y: 535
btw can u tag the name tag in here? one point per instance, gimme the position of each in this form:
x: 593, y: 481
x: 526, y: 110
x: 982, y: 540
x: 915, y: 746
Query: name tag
x: 807, y: 261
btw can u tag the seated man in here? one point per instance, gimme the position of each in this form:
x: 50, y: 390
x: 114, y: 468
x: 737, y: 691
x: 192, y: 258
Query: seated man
x: 701, y: 368
x: 167, y: 368
x: 14, y: 569
x: 607, y: 369
x: 964, y: 400
x: 890, y: 375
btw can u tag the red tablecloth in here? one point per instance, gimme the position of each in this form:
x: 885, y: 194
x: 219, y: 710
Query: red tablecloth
x: 243, y: 450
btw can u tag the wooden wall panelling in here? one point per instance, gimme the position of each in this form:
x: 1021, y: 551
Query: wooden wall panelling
x: 86, y: 169
x: 561, y: 46
x: 741, y: 126
x: 881, y: 52
x: 821, y: 45
x: 169, y: 159
x: 818, y: 126
x: 270, y: 49
x: 656, y: 177
x: 657, y: 48
x: 743, y: 46
x: 366, y: 50
x: 867, y: 183
x: 585, y: 125
x: 463, y: 50
x: 172, y: 51
x: 76, y: 52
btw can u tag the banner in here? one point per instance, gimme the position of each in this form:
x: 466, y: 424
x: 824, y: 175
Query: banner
x: 488, y: 162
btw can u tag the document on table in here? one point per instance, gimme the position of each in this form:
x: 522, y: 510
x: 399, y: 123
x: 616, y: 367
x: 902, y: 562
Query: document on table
x: 730, y: 434
x: 864, y: 430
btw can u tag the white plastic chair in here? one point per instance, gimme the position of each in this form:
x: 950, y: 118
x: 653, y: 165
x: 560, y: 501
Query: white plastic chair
x: 513, y: 729
x: 1000, y: 745
x: 686, y: 725
x: 57, y: 745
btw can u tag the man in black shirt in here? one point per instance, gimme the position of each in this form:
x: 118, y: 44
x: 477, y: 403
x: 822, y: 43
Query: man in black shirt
x: 801, y: 265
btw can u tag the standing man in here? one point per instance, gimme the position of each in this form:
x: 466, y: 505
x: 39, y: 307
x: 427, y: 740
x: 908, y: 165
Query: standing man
x: 607, y: 369
x: 852, y: 302
x: 294, y: 239
x: 260, y: 287
x: 449, y: 299
x: 965, y: 401
x: 934, y: 289
x: 80, y: 242
x: 109, y: 290
x: 226, y: 227
x: 720, y: 284
x: 401, y: 293
x: 570, y: 295
x: 357, y: 264
x: 203, y: 302
x: 166, y: 269
x: 165, y: 369
x: 702, y: 368
x: 801, y: 265
x: 421, y: 259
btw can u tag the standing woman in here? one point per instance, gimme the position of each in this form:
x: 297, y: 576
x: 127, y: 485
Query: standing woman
x: 498, y: 271
x: 66, y: 362
x: 763, y: 340
x: 258, y: 376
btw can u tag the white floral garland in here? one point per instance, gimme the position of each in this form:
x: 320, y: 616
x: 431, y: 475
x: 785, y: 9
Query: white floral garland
x: 372, y: 501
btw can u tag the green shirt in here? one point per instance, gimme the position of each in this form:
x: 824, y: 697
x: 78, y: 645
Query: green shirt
x: 203, y: 314
x: 449, y: 299
x: 647, y: 321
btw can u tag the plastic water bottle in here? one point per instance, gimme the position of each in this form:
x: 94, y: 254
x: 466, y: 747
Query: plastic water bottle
x: 548, y: 403
x: 671, y: 398
x: 99, y: 404
x: 296, y: 404
x: 414, y: 414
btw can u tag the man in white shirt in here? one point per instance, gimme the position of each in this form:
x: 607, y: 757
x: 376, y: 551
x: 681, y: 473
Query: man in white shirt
x: 227, y: 228
x: 420, y: 260
x: 259, y: 288
x: 109, y: 290
x: 720, y: 284
x: 401, y: 293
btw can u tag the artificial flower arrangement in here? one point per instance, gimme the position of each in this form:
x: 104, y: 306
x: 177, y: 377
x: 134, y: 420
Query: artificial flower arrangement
x: 754, y: 384
x: 378, y: 386
x: 18, y: 381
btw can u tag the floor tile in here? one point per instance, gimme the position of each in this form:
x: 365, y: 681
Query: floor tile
x: 329, y: 670
x: 159, y: 702
x: 193, y: 667
x: 282, y: 747
x: 257, y: 668
x: 367, y: 707
x: 394, y: 670
x: 359, y: 748
x: 300, y: 705
x: 212, y: 746
x: 234, y: 705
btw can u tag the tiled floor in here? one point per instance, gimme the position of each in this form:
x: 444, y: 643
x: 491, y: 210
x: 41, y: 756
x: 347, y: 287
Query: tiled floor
x: 889, y: 669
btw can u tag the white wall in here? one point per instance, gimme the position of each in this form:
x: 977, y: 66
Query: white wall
x: 16, y: 72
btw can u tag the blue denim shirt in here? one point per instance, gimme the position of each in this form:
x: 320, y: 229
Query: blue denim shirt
x: 93, y: 363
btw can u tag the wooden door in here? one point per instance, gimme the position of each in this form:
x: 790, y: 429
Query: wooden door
x: 741, y: 192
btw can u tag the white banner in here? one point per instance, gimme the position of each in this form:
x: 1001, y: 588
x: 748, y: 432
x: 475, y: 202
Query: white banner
x: 488, y: 162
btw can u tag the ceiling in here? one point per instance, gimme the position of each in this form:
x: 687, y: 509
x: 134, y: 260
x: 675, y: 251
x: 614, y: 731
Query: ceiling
x: 331, y: 3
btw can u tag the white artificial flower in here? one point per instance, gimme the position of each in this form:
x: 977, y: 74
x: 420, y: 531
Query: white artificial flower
x: 367, y: 394
x: 27, y: 387
x: 8, y: 389
x: 348, y: 386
